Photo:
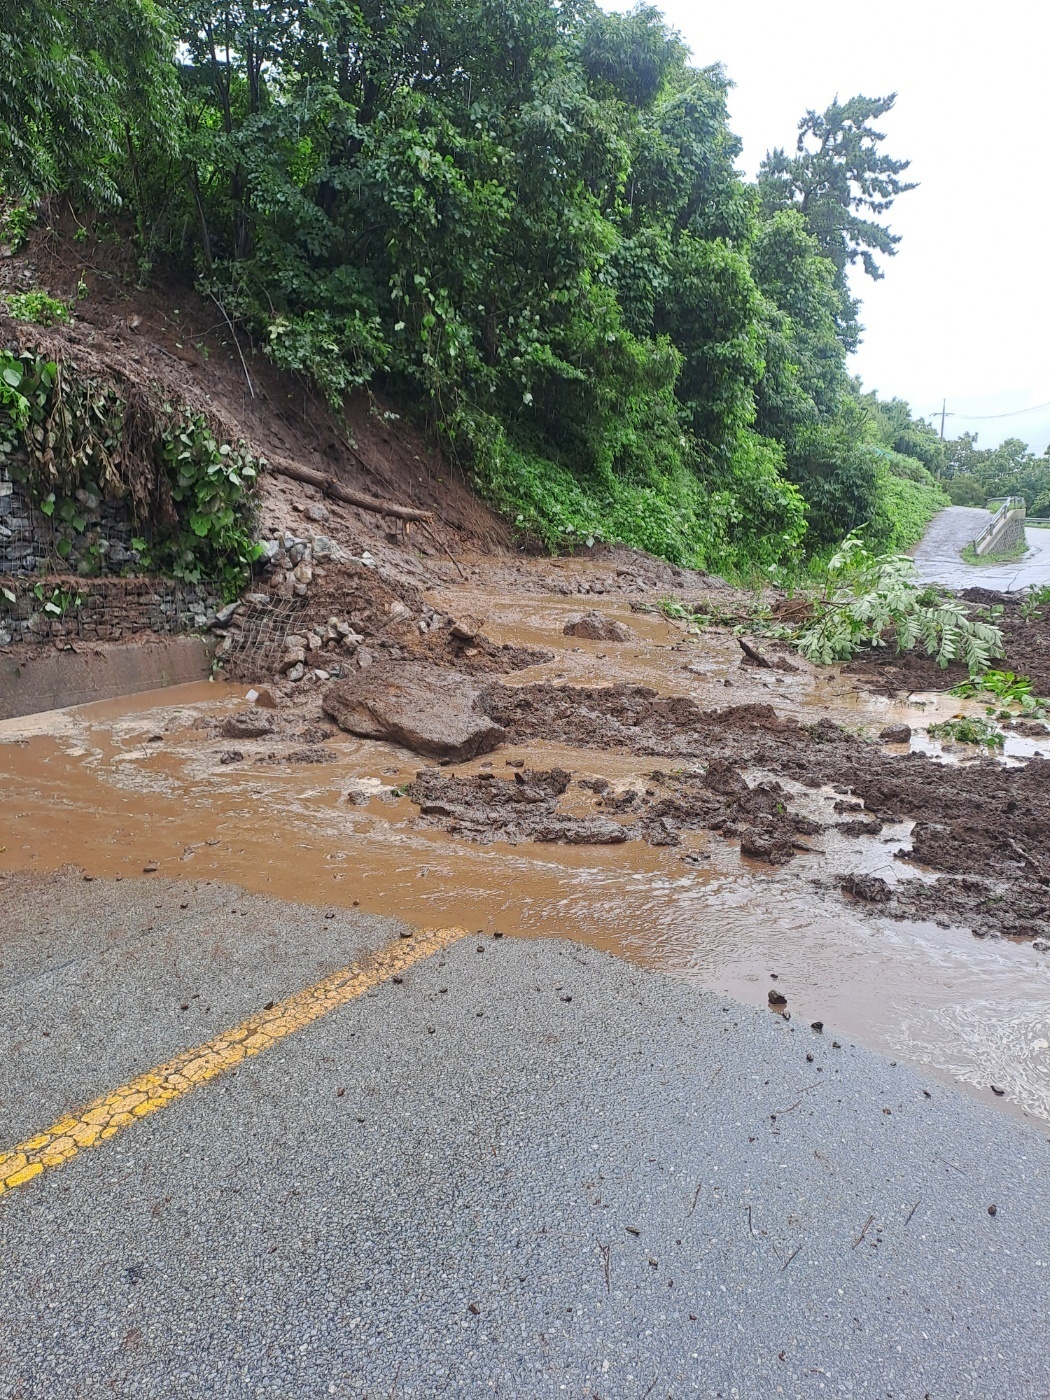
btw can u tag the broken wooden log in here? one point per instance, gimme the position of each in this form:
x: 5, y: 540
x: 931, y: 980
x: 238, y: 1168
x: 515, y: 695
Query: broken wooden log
x: 337, y: 491
x: 755, y: 657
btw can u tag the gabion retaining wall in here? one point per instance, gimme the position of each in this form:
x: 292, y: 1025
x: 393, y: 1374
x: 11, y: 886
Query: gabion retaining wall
x: 29, y: 538
x: 102, y: 609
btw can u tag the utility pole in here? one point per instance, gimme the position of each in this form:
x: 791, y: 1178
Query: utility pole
x: 944, y: 405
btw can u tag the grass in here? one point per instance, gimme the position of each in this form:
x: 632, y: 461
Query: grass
x: 1017, y: 551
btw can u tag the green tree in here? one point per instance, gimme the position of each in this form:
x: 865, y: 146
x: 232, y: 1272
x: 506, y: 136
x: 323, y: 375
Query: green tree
x: 1010, y: 469
x: 896, y: 428
x: 85, y: 86
x: 841, y: 182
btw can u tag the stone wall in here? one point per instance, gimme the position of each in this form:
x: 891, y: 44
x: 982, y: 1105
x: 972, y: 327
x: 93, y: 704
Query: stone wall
x: 29, y: 538
x: 1012, y: 533
x: 102, y: 609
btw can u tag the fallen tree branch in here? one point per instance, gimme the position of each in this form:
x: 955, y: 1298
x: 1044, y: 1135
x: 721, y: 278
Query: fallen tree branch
x: 331, y: 487
x: 240, y: 352
x: 755, y: 657
x: 442, y: 545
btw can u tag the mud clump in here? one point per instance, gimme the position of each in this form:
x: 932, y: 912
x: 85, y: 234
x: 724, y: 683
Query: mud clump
x: 631, y: 717
x: 308, y: 755
x: 433, y: 712
x: 596, y: 627
x: 483, y: 807
x: 247, y: 724
x: 476, y: 654
x: 985, y: 907
x: 862, y: 826
x: 870, y: 888
x: 486, y: 808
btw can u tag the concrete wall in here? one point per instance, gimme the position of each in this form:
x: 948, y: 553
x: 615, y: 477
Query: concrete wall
x: 1005, y: 532
x: 50, y: 680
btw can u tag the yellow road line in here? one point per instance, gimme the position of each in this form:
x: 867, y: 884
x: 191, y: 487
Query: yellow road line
x: 190, y: 1069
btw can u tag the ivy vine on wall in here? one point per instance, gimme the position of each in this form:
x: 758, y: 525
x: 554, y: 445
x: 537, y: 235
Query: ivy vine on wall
x: 73, y: 441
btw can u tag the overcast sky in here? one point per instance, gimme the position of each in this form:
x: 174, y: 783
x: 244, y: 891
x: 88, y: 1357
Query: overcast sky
x: 964, y: 310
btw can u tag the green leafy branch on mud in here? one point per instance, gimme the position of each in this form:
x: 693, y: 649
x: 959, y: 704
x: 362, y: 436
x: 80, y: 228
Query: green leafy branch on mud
x: 1035, y: 604
x: 1005, y: 687
x: 968, y: 729
x: 865, y: 600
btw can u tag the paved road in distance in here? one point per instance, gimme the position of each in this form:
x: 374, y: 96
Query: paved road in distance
x: 938, y: 555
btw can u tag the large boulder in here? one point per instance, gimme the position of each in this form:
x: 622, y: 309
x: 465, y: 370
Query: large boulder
x: 596, y: 627
x: 436, y: 713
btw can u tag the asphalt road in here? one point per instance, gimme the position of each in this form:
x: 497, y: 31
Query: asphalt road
x: 938, y: 555
x: 528, y: 1171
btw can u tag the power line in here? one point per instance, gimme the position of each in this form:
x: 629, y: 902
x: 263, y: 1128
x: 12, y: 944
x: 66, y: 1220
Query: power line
x: 986, y: 417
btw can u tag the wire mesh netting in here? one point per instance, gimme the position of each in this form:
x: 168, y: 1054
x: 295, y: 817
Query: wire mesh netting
x: 256, y: 645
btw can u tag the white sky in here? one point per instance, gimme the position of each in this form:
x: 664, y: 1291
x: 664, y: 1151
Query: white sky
x: 964, y: 310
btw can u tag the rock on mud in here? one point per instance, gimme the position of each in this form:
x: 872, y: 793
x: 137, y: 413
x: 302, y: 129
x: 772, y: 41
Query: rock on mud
x: 871, y: 888
x: 247, y: 724
x: 896, y: 734
x: 596, y: 627
x: 435, y: 713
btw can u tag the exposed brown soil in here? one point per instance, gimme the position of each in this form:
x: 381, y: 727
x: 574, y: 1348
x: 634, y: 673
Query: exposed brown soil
x: 986, y: 825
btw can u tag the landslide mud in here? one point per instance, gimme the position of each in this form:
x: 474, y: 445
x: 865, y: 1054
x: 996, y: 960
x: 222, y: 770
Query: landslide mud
x: 983, y: 820
x: 655, y: 797
x: 528, y: 807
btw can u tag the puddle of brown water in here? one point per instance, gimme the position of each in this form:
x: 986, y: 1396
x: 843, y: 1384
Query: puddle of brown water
x: 89, y: 787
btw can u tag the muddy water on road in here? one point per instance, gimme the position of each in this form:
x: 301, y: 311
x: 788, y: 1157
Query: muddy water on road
x: 115, y: 786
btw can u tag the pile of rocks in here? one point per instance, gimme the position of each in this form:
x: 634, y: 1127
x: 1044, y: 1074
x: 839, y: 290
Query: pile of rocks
x: 261, y: 634
x: 296, y: 560
x: 319, y: 648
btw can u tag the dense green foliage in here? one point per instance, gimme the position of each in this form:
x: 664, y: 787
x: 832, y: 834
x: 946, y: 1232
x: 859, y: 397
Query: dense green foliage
x: 86, y: 86
x: 525, y: 218
x: 73, y: 441
x: 976, y: 475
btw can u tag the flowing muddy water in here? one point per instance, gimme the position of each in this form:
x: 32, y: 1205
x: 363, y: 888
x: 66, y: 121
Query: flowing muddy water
x: 115, y: 786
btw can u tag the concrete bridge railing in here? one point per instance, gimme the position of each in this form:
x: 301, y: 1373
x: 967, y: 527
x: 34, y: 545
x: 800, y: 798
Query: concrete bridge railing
x: 1005, y: 530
